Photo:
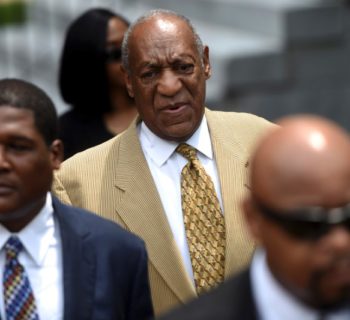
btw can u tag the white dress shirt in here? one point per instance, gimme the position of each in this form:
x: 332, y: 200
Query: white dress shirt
x: 274, y: 302
x: 42, y: 259
x: 166, y: 166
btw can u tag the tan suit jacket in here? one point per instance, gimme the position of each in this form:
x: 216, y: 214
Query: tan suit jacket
x: 113, y: 180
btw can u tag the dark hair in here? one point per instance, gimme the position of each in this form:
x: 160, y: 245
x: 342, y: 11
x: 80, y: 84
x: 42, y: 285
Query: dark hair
x: 24, y: 95
x: 82, y: 76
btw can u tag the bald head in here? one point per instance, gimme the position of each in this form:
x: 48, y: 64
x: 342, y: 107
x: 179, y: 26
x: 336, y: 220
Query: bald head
x: 298, y: 210
x: 304, y: 162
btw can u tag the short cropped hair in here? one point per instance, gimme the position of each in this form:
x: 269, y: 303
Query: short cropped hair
x: 147, y: 16
x: 20, y: 94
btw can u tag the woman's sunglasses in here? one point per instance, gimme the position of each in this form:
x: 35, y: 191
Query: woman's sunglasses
x: 113, y: 54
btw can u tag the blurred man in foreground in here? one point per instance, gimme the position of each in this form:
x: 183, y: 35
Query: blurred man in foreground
x: 299, y: 213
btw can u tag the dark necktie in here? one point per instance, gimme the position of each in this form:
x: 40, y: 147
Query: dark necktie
x: 204, y: 222
x: 18, y: 295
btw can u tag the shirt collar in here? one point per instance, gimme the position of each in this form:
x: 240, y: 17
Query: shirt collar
x: 274, y: 301
x: 36, y: 236
x: 160, y: 150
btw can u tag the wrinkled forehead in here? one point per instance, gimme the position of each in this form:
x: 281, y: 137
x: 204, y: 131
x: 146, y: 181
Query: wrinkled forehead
x: 161, y: 42
x: 161, y: 28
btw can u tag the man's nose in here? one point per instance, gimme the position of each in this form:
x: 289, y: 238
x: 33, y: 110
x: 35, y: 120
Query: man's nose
x: 169, y: 83
x: 338, y: 239
x: 4, y: 163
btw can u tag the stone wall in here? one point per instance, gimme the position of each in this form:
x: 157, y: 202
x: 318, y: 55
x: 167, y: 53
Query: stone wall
x: 269, y: 57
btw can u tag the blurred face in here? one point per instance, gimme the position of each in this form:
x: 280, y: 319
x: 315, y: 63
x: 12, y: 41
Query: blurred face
x: 115, y: 33
x: 26, y: 165
x: 299, y: 208
x: 167, y: 77
x: 315, y: 270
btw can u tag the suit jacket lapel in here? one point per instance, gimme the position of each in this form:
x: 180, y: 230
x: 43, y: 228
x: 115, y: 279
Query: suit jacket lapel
x: 140, y: 208
x: 245, y: 303
x: 78, y: 267
x: 232, y: 162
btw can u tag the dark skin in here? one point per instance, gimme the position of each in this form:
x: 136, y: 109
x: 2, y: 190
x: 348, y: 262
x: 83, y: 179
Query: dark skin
x: 26, y: 167
x: 304, y: 163
x: 123, y: 107
x: 167, y: 76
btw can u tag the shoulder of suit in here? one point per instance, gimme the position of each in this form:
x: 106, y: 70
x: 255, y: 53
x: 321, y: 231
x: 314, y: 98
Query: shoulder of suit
x: 237, y: 125
x: 232, y: 117
x: 95, y: 151
x: 92, y: 157
x: 96, y: 226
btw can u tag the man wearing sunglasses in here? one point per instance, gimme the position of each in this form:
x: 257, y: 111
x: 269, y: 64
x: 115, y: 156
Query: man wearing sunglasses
x: 299, y: 213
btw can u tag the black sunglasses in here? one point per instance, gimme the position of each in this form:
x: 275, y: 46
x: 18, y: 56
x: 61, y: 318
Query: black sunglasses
x: 113, y: 54
x: 310, y: 223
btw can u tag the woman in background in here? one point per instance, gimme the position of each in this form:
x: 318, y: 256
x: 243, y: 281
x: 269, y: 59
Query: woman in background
x: 91, y: 81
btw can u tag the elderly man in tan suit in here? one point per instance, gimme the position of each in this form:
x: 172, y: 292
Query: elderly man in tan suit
x: 137, y: 178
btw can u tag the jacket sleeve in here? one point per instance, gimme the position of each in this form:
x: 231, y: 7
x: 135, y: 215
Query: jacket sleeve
x: 140, y: 306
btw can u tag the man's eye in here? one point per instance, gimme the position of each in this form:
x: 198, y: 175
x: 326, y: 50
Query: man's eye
x: 18, y: 147
x: 186, y: 68
x: 148, y: 75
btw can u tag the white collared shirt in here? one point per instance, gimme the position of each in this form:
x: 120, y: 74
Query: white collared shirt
x: 42, y: 260
x: 274, y: 302
x: 166, y: 165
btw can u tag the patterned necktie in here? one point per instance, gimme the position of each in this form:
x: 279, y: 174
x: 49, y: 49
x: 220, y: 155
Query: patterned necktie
x: 18, y: 295
x: 204, y: 222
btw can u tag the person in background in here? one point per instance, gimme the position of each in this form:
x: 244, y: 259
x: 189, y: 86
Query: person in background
x: 299, y: 213
x: 57, y: 262
x: 91, y: 82
x: 177, y: 175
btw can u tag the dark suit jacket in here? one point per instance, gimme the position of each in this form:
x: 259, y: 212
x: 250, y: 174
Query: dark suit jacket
x: 104, y: 268
x: 233, y: 300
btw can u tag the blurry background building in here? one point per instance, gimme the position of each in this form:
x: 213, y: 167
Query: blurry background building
x: 269, y: 57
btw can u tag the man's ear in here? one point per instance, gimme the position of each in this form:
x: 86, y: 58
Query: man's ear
x: 252, y: 219
x: 127, y: 81
x: 56, y: 154
x: 206, y: 62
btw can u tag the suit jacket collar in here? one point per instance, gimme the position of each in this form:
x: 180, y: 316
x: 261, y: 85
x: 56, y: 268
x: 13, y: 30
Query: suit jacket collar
x: 243, y: 303
x: 134, y: 183
x: 232, y: 163
x: 78, y: 265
